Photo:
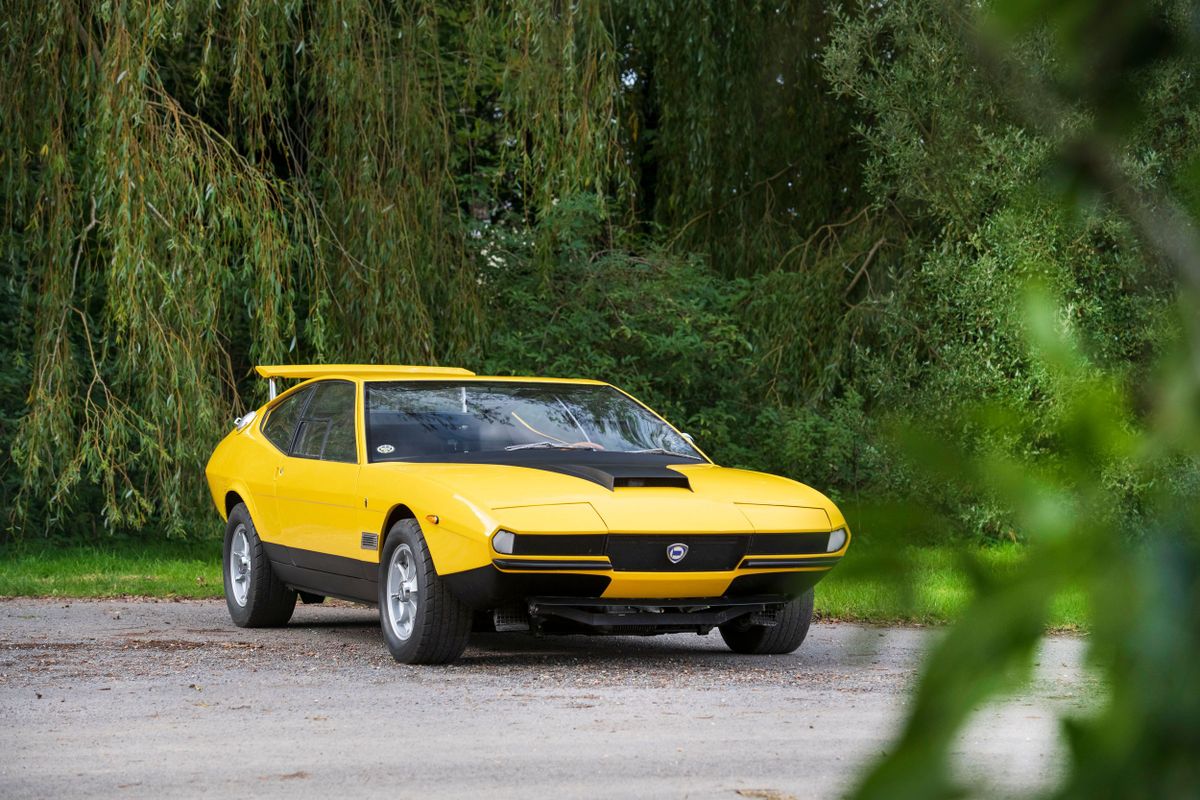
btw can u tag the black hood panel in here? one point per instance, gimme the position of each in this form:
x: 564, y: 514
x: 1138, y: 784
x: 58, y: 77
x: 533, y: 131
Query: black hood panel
x: 610, y: 470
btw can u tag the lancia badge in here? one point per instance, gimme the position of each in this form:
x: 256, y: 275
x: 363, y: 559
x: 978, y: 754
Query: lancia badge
x: 676, y: 552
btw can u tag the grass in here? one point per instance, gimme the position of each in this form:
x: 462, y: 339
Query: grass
x: 937, y: 592
x: 152, y: 570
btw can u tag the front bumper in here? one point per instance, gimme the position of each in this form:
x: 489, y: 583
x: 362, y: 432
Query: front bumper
x: 510, y: 580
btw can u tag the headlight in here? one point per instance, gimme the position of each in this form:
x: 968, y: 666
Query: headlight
x: 837, y: 540
x: 503, y: 542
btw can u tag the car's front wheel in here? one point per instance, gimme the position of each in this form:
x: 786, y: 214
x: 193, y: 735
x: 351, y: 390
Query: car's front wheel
x: 788, y: 632
x: 255, y: 596
x: 422, y: 622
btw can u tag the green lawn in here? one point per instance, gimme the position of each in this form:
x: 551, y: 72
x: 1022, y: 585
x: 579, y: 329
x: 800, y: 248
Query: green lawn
x: 152, y: 570
x: 937, y: 591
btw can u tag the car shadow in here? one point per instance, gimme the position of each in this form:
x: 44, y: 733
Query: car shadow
x: 370, y: 621
x: 519, y: 650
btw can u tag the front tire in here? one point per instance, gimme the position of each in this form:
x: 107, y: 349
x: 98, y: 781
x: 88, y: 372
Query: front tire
x: 787, y: 634
x: 422, y: 622
x: 255, y: 596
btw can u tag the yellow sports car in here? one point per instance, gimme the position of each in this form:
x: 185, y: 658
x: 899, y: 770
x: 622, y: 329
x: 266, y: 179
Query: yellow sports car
x: 459, y: 502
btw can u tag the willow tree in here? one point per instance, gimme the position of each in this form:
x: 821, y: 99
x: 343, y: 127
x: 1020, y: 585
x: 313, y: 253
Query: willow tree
x: 190, y: 187
x: 193, y: 187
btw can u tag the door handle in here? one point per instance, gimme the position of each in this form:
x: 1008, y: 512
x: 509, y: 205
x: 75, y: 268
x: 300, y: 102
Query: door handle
x: 278, y: 471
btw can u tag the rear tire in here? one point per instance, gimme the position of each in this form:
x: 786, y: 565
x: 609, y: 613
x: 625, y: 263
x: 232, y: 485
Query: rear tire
x: 422, y: 622
x: 784, y: 636
x: 255, y: 597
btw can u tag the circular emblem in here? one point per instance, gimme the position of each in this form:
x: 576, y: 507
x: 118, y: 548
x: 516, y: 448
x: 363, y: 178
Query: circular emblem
x: 385, y: 449
x: 676, y: 552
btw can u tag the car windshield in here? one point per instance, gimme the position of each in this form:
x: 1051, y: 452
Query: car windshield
x: 417, y: 419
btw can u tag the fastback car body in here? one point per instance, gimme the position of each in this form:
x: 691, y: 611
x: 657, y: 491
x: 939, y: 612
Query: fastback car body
x: 456, y: 501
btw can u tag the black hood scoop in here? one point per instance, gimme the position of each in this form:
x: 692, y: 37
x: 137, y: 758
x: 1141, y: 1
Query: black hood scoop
x: 615, y: 476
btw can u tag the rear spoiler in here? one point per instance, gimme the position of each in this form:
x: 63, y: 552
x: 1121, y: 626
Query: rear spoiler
x: 306, y: 371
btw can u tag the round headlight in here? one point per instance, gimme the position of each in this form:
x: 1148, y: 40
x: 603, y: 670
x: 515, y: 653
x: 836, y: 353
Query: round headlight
x: 837, y: 540
x: 503, y: 542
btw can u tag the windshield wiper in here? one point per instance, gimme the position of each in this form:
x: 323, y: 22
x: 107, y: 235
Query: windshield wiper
x: 545, y: 444
x: 661, y: 451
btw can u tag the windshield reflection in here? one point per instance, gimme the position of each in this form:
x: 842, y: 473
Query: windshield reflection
x: 447, y: 418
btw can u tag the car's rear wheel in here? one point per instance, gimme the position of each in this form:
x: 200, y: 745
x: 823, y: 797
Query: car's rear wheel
x: 788, y: 632
x: 255, y: 596
x: 422, y: 622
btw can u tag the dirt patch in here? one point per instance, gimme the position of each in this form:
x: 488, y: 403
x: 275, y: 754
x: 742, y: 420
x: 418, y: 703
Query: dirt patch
x: 163, y: 644
x: 43, y: 645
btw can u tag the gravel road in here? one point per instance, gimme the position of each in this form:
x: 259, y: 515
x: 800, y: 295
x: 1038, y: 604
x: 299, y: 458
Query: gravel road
x: 155, y: 699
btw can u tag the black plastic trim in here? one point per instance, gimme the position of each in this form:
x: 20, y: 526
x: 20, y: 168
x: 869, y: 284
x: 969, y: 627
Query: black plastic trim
x: 488, y: 587
x: 709, y: 618
x: 339, y: 565
x: 555, y: 564
x: 791, y: 583
x: 649, y: 615
x: 556, y: 544
x: 321, y: 573
x: 789, y: 544
x: 345, y: 587
x: 785, y: 563
x: 664, y: 602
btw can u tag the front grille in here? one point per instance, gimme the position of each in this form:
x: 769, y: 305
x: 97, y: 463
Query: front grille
x: 788, y: 544
x: 648, y: 553
x: 706, y: 553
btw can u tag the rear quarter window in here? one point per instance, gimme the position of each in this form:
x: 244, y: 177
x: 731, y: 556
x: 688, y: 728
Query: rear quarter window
x: 327, y: 429
x: 280, y: 425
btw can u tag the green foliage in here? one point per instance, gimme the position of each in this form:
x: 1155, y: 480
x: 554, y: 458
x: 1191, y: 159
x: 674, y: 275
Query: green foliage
x: 662, y: 327
x: 941, y: 143
x: 979, y: 190
x: 740, y: 153
x: 1079, y: 420
x: 837, y: 448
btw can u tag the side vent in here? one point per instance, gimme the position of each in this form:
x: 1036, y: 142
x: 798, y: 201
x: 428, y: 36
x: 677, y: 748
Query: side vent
x: 370, y: 541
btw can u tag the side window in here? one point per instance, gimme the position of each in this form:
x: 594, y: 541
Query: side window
x: 281, y: 422
x: 327, y: 430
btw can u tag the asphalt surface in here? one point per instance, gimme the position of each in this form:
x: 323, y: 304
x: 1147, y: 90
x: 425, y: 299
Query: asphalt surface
x: 155, y: 699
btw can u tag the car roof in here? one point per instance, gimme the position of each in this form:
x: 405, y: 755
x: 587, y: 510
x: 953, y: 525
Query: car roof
x: 395, y: 372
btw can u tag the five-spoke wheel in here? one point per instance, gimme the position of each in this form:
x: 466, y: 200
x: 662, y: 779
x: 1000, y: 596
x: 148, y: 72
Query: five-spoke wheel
x: 240, y: 565
x: 402, y: 592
